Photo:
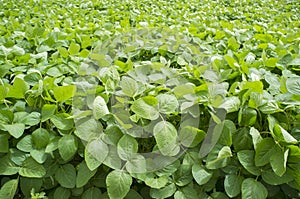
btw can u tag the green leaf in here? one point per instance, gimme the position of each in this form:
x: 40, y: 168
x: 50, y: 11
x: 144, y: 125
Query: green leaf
x: 129, y: 86
x: 74, y: 48
x: 99, y: 108
x: 273, y: 179
x: 256, y: 137
x: 47, y: 111
x: 187, y: 192
x: 92, y: 192
x: 255, y: 86
x: 40, y: 138
x: 278, y: 160
x: 8, y: 190
x: 4, y: 145
x: 15, y: 130
x: 18, y: 89
x: 127, y: 147
x: 118, y: 184
x: 25, y: 144
x: 67, y: 146
x: 63, y: 52
x: 84, y: 174
x: 32, y: 169
x: 63, y: 93
x: 62, y: 193
x: 39, y: 155
x: 66, y: 176
x: 166, y: 138
x: 156, y: 182
x: 132, y: 194
x: 27, y: 184
x: 164, y: 192
x: 201, y: 175
x: 233, y: 184
x: 144, y: 107
x: 264, y: 151
x: 62, y: 122
x: 167, y: 103
x: 7, y: 166
x: 253, y: 189
x: 95, y: 153
x: 246, y: 158
x: 293, y: 85
x: 231, y: 62
x: 190, y: 136
x: 282, y: 135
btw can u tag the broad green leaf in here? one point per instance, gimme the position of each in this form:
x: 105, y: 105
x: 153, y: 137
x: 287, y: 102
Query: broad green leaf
x: 3, y: 91
x: 136, y: 164
x: 74, y: 48
x: 28, y: 119
x: 293, y: 85
x: 67, y: 146
x: 18, y: 89
x: 16, y: 130
x: 242, y: 139
x: 166, y: 138
x: 190, y: 136
x: 62, y: 122
x: 63, y: 93
x: 47, y: 111
x: 8, y: 190
x: 92, y: 192
x: 25, y: 144
x: 99, y: 108
x: 27, y: 184
x: 164, y: 192
x: 226, y: 135
x: 84, y: 174
x: 66, y: 176
x: 7, y: 166
x: 201, y: 175
x: 156, y: 182
x: 118, y: 184
x: 273, y: 179
x: 127, y: 147
x: 32, y: 169
x: 40, y: 138
x: 39, y: 155
x: 231, y: 62
x: 253, y: 189
x: 255, y: 86
x: 62, y: 193
x: 63, y: 52
x: 129, y: 86
x: 264, y: 151
x: 283, y: 136
x: 233, y: 184
x: 167, y: 103
x: 246, y: 158
x: 95, y: 153
x: 145, y: 108
x: 278, y: 160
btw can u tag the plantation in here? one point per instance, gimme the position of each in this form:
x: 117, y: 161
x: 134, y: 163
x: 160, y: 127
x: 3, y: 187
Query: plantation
x: 149, y: 99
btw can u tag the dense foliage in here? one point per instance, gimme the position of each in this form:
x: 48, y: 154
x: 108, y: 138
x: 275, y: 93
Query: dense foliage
x: 179, y: 99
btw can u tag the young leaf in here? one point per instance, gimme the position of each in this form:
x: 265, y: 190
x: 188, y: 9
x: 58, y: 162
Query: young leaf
x: 74, y: 48
x: 47, y: 111
x: 118, y: 184
x: 99, y: 108
x: 253, y: 189
x: 63, y: 93
x: 8, y: 190
x: 18, y: 89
